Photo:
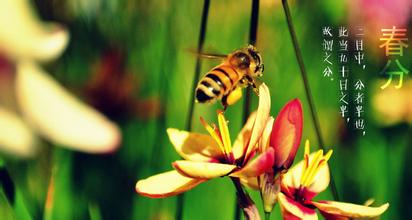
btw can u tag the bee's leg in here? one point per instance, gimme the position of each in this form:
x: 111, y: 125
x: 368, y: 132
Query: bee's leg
x: 244, y: 82
x: 224, y: 102
x: 255, y: 83
x: 249, y: 81
x: 232, y: 97
x: 255, y: 88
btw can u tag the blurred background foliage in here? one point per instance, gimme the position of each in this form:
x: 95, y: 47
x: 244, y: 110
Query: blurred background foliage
x: 129, y: 59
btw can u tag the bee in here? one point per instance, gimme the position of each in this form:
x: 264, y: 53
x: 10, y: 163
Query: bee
x: 224, y: 82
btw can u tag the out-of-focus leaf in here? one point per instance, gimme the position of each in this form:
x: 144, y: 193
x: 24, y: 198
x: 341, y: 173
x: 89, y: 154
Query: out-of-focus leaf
x: 6, y: 210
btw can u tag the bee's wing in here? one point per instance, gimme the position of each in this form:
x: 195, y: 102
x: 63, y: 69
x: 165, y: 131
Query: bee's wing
x: 212, y: 56
x: 208, y: 55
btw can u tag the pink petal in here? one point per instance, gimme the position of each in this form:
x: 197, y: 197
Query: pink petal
x: 292, y: 209
x: 259, y: 165
x: 286, y: 134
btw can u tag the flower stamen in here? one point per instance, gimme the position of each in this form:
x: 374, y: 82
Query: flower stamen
x: 311, y: 168
x: 214, y: 135
x: 224, y: 132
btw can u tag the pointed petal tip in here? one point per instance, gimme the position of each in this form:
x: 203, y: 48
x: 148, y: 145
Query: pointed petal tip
x: 294, y: 108
x: 350, y: 210
x: 55, y: 43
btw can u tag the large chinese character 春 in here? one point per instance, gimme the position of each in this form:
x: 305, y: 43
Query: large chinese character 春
x: 394, y: 41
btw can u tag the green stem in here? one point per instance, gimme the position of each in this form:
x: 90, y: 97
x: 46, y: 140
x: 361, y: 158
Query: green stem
x: 309, y: 97
x: 202, y: 35
x: 6, y: 182
x: 245, y: 202
x: 254, y: 18
x: 267, y: 215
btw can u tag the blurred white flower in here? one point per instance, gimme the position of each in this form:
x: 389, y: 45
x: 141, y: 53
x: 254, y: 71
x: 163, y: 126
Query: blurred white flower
x: 44, y: 107
x: 16, y: 137
x: 23, y: 35
x: 55, y: 113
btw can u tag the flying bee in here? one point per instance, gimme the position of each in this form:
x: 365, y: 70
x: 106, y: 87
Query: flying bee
x: 224, y: 82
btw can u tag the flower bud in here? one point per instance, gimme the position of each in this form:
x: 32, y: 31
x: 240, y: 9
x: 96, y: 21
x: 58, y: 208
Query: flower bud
x: 286, y: 134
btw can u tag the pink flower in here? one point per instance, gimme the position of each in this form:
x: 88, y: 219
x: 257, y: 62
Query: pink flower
x: 308, y: 178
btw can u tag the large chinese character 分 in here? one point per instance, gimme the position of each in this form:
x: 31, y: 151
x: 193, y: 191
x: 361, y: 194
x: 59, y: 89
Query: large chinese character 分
x: 394, y: 43
x: 400, y: 72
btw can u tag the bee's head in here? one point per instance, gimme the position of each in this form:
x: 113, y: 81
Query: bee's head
x: 248, y: 59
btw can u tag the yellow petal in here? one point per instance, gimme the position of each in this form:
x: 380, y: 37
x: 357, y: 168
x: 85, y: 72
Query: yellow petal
x: 294, y: 210
x: 264, y: 141
x: 321, y: 179
x: 194, y: 146
x: 55, y: 113
x: 23, y: 35
x: 342, y: 209
x: 250, y: 182
x: 166, y: 184
x: 15, y: 137
x: 202, y: 170
x: 262, y: 116
x: 240, y: 144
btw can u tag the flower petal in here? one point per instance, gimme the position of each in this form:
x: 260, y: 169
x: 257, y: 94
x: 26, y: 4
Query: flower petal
x: 264, y: 141
x: 194, y: 146
x: 166, y: 184
x: 15, y: 137
x: 294, y: 210
x: 202, y: 170
x: 349, y: 210
x: 23, y: 35
x: 291, y: 180
x: 250, y: 182
x: 59, y: 116
x: 240, y: 144
x: 259, y: 165
x: 262, y: 116
x: 286, y: 133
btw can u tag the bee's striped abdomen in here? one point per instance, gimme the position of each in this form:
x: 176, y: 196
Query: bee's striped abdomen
x: 218, y: 82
